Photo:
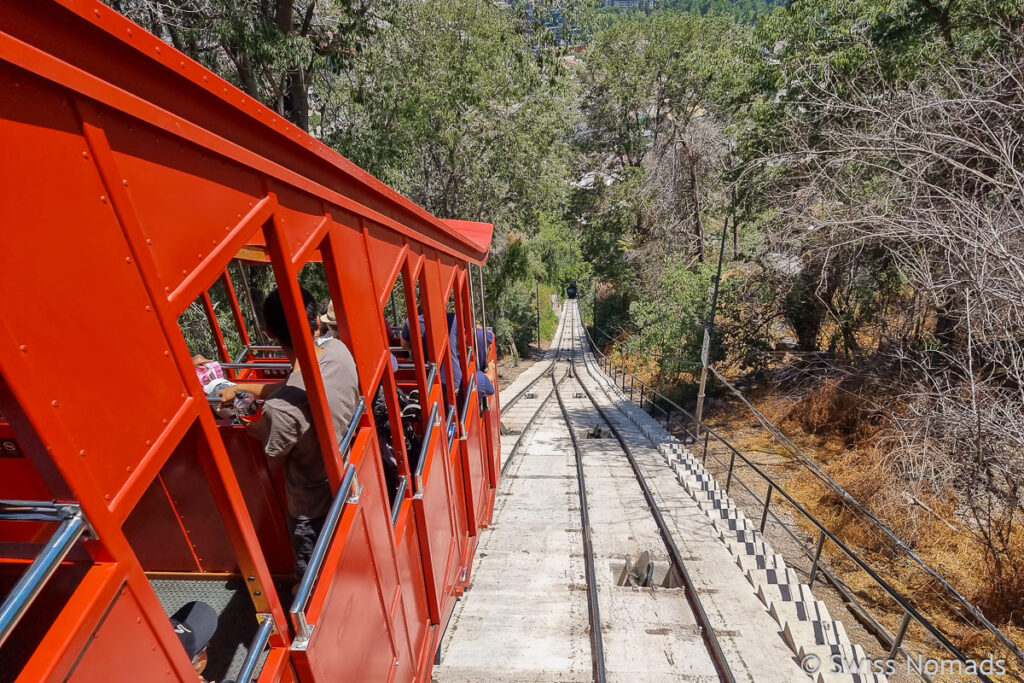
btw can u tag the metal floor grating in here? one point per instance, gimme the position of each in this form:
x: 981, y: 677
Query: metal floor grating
x: 237, y: 619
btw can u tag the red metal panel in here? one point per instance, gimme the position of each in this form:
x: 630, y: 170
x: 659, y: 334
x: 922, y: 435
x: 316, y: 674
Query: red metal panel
x: 161, y: 172
x: 156, y: 535
x: 197, y: 512
x: 345, y: 255
x: 353, y: 639
x: 474, y: 459
x: 140, y: 73
x: 414, y: 590
x: 263, y: 489
x: 125, y: 648
x: 84, y: 244
x: 456, y: 473
x: 436, y: 526
x: 385, y: 250
x: 298, y: 214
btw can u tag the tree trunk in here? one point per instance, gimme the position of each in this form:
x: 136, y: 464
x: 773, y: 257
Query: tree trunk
x: 698, y: 225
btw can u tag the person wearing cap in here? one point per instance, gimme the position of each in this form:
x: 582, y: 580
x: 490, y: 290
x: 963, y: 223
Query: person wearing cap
x: 194, y: 624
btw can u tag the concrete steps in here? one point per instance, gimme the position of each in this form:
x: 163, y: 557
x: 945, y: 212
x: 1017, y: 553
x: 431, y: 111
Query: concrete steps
x: 807, y: 627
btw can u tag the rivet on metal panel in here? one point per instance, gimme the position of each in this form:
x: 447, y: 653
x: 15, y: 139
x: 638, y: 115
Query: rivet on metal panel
x: 167, y: 353
x: 128, y: 260
x: 85, y: 155
x: 149, y: 241
x: 106, y: 496
x: 148, y: 309
x: 158, y: 49
x: 205, y: 79
x: 165, y: 420
x: 24, y: 349
x: 97, y: 13
x: 103, y: 198
x: 184, y: 271
x: 149, y: 442
x: 124, y: 181
x: 252, y: 578
x: 200, y: 256
x: 257, y: 593
x: 129, y: 33
x: 82, y: 453
x: 54, y: 403
x: 138, y: 620
x: 183, y: 394
x: 128, y: 468
x: 167, y: 289
x: 182, y: 64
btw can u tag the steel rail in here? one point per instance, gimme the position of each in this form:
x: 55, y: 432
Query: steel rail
x: 707, y: 630
x: 551, y: 365
x: 540, y: 408
x: 593, y: 607
x: 899, y: 598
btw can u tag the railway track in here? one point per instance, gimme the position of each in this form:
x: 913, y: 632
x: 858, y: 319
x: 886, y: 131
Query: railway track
x: 599, y: 566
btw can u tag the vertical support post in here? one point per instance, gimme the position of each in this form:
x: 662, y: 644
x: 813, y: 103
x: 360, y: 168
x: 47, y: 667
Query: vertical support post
x: 732, y: 461
x: 767, y: 501
x: 817, y: 557
x: 631, y: 378
x: 898, y: 640
x: 641, y: 395
x: 483, y: 297
x: 538, y: 313
x: 706, y: 345
x: 707, y: 435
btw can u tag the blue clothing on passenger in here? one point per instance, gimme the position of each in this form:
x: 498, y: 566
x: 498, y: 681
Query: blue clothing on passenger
x: 483, y: 384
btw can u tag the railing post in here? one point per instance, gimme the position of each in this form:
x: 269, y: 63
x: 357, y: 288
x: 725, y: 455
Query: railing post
x: 631, y: 378
x: 732, y: 461
x: 899, y: 636
x: 817, y: 556
x: 705, y: 460
x: 641, y: 395
x: 767, y: 501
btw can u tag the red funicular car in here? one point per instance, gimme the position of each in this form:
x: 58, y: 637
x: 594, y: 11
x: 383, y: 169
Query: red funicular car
x: 146, y: 206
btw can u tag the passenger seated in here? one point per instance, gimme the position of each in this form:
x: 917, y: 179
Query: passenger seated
x: 286, y: 428
x: 194, y: 624
x: 389, y: 461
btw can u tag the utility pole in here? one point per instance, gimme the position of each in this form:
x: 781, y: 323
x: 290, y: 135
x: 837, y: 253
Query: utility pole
x: 705, y: 349
x: 538, y: 314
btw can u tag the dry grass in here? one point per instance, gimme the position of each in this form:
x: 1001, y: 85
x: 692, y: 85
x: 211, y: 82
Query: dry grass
x: 836, y: 430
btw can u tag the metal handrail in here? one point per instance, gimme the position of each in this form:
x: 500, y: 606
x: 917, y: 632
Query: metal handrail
x: 465, y: 404
x: 432, y: 422
x: 898, y: 597
x: 305, y: 589
x: 431, y: 375
x: 259, y: 643
x: 72, y: 526
x: 283, y: 365
x: 449, y: 423
x: 350, y: 433
x: 403, y: 484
